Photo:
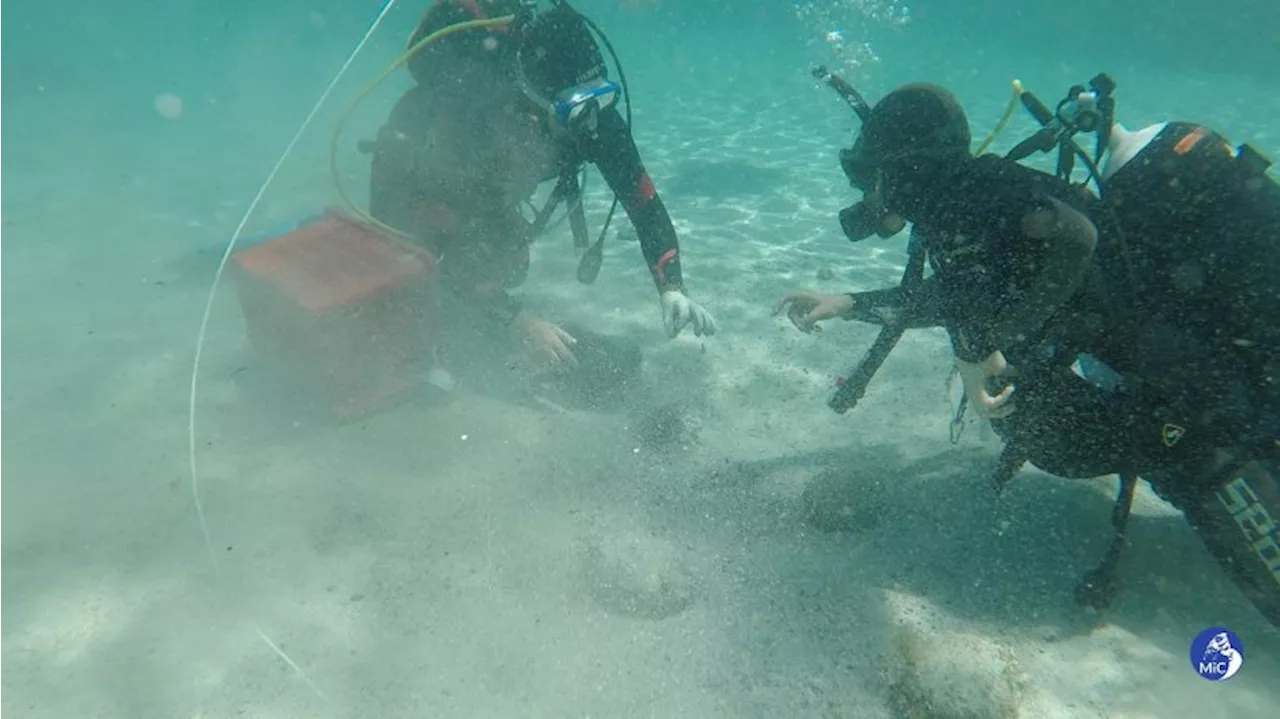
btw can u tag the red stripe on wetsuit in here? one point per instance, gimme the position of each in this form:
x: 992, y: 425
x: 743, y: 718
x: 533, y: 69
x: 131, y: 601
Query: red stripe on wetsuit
x: 660, y: 267
x: 643, y: 194
x: 645, y: 191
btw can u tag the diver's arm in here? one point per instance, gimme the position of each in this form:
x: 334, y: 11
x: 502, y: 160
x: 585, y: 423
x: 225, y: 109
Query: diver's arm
x: 614, y: 152
x: 498, y: 305
x: 467, y: 270
x: 395, y: 199
x: 1066, y: 239
x: 473, y: 272
x: 915, y: 308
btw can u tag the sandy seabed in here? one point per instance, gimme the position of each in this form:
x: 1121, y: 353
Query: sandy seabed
x: 508, y: 553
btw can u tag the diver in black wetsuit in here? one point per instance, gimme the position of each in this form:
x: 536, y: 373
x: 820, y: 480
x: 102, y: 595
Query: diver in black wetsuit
x: 1137, y: 334
x: 495, y: 112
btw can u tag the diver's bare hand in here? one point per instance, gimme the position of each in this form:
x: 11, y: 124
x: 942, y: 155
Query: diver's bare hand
x: 975, y: 376
x: 806, y: 308
x: 546, y: 341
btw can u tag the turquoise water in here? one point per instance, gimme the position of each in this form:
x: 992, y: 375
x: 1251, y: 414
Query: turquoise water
x: 465, y: 559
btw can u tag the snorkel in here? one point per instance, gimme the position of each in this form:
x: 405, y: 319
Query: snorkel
x: 909, y: 143
x: 865, y: 217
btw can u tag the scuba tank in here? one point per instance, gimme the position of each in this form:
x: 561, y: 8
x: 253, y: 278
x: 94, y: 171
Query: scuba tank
x: 1125, y: 145
x: 1195, y: 216
x: 1185, y: 184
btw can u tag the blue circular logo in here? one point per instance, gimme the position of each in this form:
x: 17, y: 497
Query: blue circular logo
x: 1217, y: 654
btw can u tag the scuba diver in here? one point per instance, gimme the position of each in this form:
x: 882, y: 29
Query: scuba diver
x: 495, y: 111
x: 1132, y: 332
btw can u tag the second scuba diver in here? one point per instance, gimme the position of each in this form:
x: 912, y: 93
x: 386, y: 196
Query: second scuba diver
x: 1135, y: 332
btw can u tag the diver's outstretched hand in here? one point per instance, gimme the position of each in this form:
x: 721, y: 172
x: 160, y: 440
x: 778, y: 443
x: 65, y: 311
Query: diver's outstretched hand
x: 546, y: 341
x: 678, y: 310
x: 806, y: 308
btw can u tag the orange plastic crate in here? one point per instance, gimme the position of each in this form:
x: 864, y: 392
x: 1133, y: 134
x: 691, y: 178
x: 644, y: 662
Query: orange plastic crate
x: 343, y: 310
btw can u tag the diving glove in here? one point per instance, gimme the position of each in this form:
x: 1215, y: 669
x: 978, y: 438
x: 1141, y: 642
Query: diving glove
x: 678, y: 310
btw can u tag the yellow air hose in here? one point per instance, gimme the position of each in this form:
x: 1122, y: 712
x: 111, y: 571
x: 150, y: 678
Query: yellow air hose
x: 1004, y: 120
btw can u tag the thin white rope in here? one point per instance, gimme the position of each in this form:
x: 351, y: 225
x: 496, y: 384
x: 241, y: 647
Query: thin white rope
x: 208, y: 311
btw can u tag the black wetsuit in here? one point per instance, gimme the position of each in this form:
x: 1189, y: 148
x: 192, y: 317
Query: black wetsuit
x: 997, y: 287
x: 451, y: 171
x: 1183, y: 305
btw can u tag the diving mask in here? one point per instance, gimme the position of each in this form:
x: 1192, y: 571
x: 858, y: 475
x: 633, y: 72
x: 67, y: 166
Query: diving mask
x: 581, y: 103
x: 857, y: 167
x: 869, y: 216
x: 559, y: 67
x: 575, y: 108
x: 866, y: 218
